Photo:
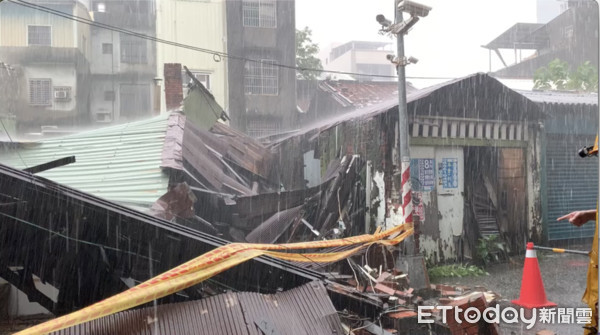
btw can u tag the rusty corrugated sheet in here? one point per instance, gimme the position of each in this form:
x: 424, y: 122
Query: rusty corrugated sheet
x: 270, y: 230
x: 205, y: 161
x: 244, y: 150
x: 172, y: 155
x: 304, y: 310
x: 362, y: 94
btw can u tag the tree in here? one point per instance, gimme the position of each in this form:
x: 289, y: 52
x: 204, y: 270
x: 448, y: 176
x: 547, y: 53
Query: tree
x: 556, y: 76
x: 306, y: 52
x: 585, y: 78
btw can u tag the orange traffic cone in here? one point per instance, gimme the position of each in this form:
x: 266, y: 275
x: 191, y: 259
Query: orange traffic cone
x: 533, y: 294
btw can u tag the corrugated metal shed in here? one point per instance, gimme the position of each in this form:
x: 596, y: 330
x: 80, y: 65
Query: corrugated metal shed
x: 563, y: 98
x: 119, y: 163
x: 449, y: 91
x: 304, y: 310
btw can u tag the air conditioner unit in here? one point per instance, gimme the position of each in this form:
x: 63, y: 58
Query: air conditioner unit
x: 60, y: 94
x: 103, y: 117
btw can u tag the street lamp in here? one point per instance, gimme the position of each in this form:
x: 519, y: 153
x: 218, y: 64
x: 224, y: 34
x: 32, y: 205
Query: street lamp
x: 400, y: 28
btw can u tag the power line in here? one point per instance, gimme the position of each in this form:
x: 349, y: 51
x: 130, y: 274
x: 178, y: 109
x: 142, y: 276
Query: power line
x: 191, y: 47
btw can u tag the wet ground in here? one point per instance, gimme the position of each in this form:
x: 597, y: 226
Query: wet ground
x: 564, y: 277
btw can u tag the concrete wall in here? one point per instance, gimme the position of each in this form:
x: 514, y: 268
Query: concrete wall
x: 255, y: 43
x: 443, y: 206
x: 343, y: 63
x: 197, y: 23
x: 103, y: 110
x: 15, y: 19
x: 61, y: 75
x: 372, y: 57
x: 104, y: 63
x: 83, y: 31
x: 110, y: 74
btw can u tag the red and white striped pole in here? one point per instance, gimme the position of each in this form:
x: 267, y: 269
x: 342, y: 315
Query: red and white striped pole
x: 407, y: 206
x: 404, y: 138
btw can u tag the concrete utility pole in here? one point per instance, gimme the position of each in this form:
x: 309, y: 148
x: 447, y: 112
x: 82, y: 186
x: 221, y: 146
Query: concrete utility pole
x: 399, y: 28
x: 412, y: 243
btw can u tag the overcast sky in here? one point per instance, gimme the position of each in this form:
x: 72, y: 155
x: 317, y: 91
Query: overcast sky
x: 447, y: 42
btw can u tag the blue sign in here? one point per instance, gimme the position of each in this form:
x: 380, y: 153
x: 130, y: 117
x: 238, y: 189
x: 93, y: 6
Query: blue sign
x: 422, y: 174
x: 448, y: 172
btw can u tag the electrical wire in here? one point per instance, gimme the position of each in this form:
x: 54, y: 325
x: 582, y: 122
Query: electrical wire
x: 190, y: 47
x: 74, y: 239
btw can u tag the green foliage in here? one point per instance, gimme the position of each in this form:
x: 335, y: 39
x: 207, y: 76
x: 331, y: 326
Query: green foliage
x: 306, y: 52
x: 556, y: 76
x: 455, y: 270
x: 585, y: 78
x: 490, y: 249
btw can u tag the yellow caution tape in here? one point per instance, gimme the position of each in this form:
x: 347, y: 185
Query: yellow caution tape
x: 210, y: 264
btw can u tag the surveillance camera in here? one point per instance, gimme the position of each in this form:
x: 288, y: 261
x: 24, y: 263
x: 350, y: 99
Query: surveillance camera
x: 393, y: 59
x: 404, y: 26
x: 383, y: 21
x: 413, y: 60
x: 414, y: 8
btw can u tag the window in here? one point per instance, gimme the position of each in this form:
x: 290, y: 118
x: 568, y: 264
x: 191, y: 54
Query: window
x: 100, y: 7
x: 261, y: 127
x: 39, y: 35
x: 133, y: 50
x: 109, y: 95
x: 107, y: 48
x: 40, y: 92
x: 259, y: 13
x: 202, y: 77
x: 261, y: 77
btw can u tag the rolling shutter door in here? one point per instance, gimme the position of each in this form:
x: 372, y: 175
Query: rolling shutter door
x: 572, y: 184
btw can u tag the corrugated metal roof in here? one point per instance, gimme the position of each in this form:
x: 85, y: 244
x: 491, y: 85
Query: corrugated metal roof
x: 119, y: 163
x: 303, y: 310
x: 362, y: 94
x: 562, y: 98
x: 270, y: 230
x: 372, y: 110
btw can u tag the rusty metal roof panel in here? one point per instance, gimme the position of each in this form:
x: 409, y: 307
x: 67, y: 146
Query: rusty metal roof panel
x: 271, y: 229
x: 362, y: 94
x: 244, y: 150
x: 208, y: 163
x: 303, y: 310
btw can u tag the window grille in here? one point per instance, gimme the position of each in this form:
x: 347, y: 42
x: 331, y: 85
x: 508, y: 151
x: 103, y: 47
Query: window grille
x: 40, y: 92
x: 259, y: 13
x: 261, y: 77
x: 263, y: 127
x: 39, y: 35
x: 133, y: 50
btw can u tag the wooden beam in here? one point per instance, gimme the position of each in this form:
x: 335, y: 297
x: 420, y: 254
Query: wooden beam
x: 26, y: 285
x: 50, y: 165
